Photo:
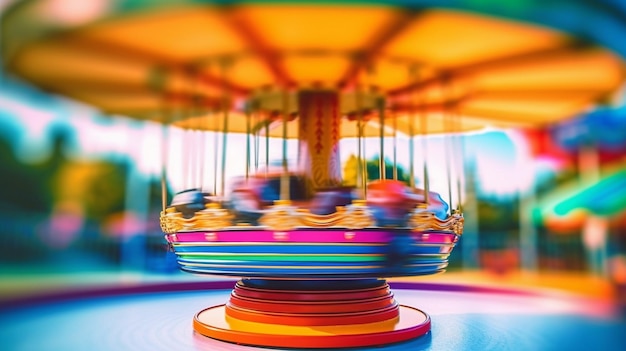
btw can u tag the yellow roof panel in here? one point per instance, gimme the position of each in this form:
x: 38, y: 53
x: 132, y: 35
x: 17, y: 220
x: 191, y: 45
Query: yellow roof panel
x: 304, y: 27
x: 61, y: 63
x: 176, y: 34
x: 250, y: 72
x: 452, y: 39
x: 549, y: 109
x: 387, y: 75
x: 591, y: 70
x: 307, y: 69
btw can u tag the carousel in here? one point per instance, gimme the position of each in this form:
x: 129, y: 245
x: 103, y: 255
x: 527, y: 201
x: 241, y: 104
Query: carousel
x: 312, y: 250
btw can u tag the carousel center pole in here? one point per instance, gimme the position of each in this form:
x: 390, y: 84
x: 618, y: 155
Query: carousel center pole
x: 319, y: 138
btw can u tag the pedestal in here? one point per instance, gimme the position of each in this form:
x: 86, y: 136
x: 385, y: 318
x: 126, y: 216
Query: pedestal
x: 312, y: 314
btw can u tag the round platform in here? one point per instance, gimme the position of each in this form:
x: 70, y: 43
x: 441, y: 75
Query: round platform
x: 214, y: 322
x: 312, y: 314
x: 156, y: 317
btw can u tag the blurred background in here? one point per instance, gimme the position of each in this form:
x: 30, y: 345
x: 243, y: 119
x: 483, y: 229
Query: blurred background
x: 80, y: 195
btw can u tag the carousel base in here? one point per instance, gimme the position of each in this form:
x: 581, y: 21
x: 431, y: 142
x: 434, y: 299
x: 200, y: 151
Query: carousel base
x: 312, y: 314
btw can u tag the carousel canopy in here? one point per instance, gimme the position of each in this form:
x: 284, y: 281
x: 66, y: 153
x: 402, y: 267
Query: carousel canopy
x: 158, y: 59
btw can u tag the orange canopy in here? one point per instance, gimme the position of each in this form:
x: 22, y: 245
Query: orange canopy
x: 155, y: 61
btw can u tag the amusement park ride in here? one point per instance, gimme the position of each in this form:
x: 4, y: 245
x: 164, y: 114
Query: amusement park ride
x: 312, y: 254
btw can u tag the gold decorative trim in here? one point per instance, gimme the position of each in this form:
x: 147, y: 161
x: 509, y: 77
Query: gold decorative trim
x: 309, y: 219
x: 211, y: 218
x: 170, y: 221
x: 422, y: 220
x: 283, y: 217
x: 459, y: 222
x: 358, y: 216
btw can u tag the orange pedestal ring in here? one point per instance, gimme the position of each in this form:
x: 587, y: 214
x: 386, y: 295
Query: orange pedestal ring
x: 307, y: 318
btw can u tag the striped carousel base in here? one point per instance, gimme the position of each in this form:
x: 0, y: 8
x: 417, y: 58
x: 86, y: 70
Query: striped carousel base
x: 312, y: 314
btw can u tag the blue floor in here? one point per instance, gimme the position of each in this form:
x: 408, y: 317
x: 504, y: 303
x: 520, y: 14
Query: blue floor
x: 460, y: 321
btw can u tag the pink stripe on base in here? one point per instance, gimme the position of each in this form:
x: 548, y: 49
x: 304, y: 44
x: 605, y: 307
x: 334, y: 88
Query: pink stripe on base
x: 308, y: 236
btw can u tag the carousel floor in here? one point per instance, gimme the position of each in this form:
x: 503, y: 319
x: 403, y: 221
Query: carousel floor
x: 159, y: 317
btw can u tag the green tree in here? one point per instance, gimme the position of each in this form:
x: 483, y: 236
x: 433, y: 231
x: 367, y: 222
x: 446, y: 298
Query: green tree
x: 98, y: 187
x: 373, y: 170
x: 372, y: 167
x: 28, y: 187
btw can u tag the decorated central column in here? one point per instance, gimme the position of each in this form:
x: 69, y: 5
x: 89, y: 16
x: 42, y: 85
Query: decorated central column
x: 318, y: 135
